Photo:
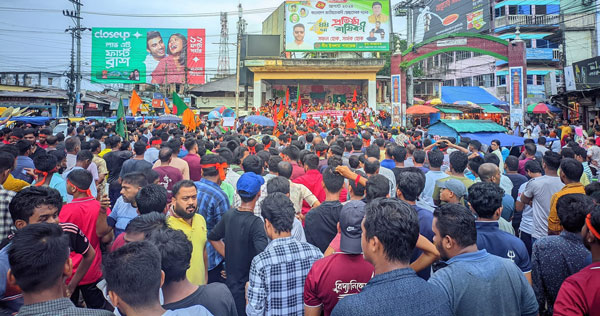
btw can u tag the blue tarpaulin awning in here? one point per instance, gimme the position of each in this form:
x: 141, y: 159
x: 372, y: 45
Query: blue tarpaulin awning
x: 476, y: 95
x: 506, y: 140
x: 37, y: 120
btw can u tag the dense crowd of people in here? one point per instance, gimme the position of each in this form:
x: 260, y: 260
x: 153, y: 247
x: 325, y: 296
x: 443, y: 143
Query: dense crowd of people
x: 311, y: 217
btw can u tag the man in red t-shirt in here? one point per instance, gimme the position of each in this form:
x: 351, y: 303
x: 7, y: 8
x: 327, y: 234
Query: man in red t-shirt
x: 193, y: 159
x: 90, y: 216
x: 344, y: 273
x: 168, y: 175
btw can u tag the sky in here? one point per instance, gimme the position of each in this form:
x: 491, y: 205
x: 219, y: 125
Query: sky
x: 32, y: 32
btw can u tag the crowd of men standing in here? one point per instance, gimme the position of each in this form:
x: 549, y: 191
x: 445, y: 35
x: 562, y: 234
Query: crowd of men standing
x: 381, y: 222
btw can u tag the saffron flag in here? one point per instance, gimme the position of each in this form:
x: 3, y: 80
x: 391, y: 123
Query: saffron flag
x: 354, y: 96
x: 299, y: 105
x: 166, y: 105
x: 287, y: 96
x: 134, y: 103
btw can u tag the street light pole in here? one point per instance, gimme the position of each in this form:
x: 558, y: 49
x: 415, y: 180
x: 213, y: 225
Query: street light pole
x: 237, y: 68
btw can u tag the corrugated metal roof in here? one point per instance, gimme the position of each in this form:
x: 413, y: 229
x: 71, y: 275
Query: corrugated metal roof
x: 488, y: 108
x: 221, y: 85
x: 450, y: 111
x: 473, y: 126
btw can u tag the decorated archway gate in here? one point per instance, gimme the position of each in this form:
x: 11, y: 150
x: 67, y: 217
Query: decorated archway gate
x: 511, y: 52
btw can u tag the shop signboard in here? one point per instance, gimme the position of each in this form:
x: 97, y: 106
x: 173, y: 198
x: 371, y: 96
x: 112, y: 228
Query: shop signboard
x: 337, y: 25
x: 587, y: 73
x: 515, y: 75
x: 148, y: 55
x: 396, y: 103
x: 439, y: 17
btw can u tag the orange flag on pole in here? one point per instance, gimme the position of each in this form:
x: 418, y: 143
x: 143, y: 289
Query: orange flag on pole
x: 188, y: 120
x: 167, y: 110
x: 134, y: 102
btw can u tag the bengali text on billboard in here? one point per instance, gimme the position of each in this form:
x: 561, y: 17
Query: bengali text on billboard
x: 337, y: 25
x: 439, y: 17
x: 145, y: 55
x: 587, y: 73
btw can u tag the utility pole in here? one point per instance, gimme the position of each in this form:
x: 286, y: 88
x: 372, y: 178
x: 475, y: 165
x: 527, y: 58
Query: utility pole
x: 240, y: 27
x: 75, y: 15
x: 71, y: 81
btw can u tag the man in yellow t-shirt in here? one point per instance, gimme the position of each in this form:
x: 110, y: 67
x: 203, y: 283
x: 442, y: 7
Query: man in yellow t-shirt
x: 184, y: 217
x: 570, y: 174
x: 377, y: 16
x: 565, y: 130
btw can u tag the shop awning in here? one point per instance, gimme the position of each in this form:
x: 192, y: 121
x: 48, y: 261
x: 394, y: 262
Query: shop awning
x: 490, y: 109
x: 450, y: 111
x: 476, y: 95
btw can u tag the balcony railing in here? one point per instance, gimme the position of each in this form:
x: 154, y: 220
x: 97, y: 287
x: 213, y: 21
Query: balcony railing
x: 527, y: 20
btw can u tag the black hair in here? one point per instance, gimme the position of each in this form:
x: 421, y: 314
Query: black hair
x: 309, y: 137
x: 357, y: 143
x: 37, y: 256
x: 311, y: 161
x: 458, y: 161
x: 226, y: 154
x: 45, y: 162
x: 94, y: 145
x: 23, y: 146
x: 332, y: 180
x: 212, y: 159
x: 572, y: 210
x: 357, y: 188
x: 278, y: 209
x: 373, y: 151
x: 139, y: 147
x: 151, y: 175
x: 135, y: 178
x: 581, y: 152
x: 396, y: 226
x: 71, y: 143
x: 81, y: 178
x: 164, y: 154
x: 530, y: 149
x: 336, y: 150
x: 492, y: 158
x: 552, y: 160
x: 592, y: 188
x: 398, y: 153
x: 292, y: 152
x: 175, y: 145
x: 189, y: 144
x: 436, y: 158
x: 512, y: 163
x: 571, y: 168
x: 181, y: 184
x: 485, y: 198
x: 541, y: 141
x: 354, y: 161
x: 278, y: 184
x: 284, y: 169
x: 25, y: 201
x: 377, y: 186
x: 273, y: 162
x: 567, y: 152
x: 533, y: 166
x: 147, y: 223
x: 456, y: 221
x: 371, y: 166
x: 334, y: 161
x: 252, y: 163
x: 475, y: 144
x: 151, y: 198
x: 175, y: 251
x: 419, y: 156
x: 411, y: 182
x: 496, y: 141
x: 85, y: 155
x: 133, y: 273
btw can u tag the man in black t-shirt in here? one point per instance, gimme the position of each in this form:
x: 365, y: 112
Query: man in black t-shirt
x: 176, y: 251
x: 114, y: 162
x: 244, y: 236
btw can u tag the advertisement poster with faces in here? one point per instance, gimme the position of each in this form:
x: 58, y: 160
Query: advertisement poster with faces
x: 337, y: 25
x: 145, y: 55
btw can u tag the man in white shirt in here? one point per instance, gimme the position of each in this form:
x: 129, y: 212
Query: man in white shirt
x: 298, y: 43
x: 156, y: 48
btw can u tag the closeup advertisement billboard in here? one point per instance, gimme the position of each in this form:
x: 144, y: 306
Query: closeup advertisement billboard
x: 439, y: 17
x: 337, y: 25
x: 146, y: 55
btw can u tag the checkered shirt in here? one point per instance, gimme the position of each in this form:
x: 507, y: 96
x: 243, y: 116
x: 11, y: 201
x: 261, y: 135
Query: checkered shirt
x: 212, y: 204
x: 6, y: 223
x: 277, y: 277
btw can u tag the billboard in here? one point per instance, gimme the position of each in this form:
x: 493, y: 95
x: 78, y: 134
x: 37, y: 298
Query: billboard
x: 337, y: 25
x: 439, y: 17
x: 587, y: 73
x: 144, y: 55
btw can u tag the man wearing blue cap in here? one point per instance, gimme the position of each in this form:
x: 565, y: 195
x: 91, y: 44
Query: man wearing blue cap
x: 245, y: 237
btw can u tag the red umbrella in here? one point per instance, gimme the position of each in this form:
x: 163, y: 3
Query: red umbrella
x: 421, y: 109
x: 540, y: 108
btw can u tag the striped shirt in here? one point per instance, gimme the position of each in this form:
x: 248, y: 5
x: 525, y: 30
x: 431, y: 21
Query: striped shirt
x: 212, y: 204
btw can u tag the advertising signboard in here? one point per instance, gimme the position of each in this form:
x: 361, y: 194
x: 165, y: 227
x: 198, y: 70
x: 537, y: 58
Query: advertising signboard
x: 337, y: 25
x: 438, y: 17
x: 396, y: 103
x: 144, y: 55
x: 587, y: 73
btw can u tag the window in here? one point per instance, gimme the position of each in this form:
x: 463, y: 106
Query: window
x: 541, y: 43
x: 463, y: 55
x: 524, y: 9
x: 529, y: 79
x: 498, y: 12
x: 501, y: 80
x: 477, y: 54
x: 539, y: 80
x: 447, y: 58
x: 478, y: 81
x: 540, y: 9
x: 527, y: 43
x: 49, y: 81
x: 449, y: 83
x: 551, y: 9
x: 465, y: 82
x: 488, y: 80
x: 512, y: 10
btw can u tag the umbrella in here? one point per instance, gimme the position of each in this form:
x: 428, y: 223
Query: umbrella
x: 224, y: 111
x: 541, y: 108
x: 421, y: 109
x: 419, y: 101
x: 214, y: 115
x: 169, y: 119
x: 436, y: 101
x: 468, y: 103
x: 259, y: 120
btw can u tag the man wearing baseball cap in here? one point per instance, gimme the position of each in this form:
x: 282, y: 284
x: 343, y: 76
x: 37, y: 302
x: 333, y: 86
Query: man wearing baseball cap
x: 340, y: 274
x: 245, y: 237
x: 452, y: 191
